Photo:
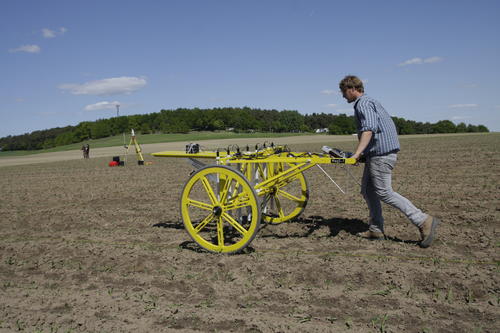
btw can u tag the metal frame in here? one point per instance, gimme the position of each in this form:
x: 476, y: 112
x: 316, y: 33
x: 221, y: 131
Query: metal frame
x: 267, y: 171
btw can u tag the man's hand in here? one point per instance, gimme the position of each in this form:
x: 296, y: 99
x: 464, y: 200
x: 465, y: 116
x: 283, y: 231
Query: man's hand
x: 364, y: 140
x: 356, y: 156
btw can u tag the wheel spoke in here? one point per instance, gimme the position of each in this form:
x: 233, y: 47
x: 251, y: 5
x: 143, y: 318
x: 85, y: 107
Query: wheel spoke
x: 235, y: 190
x: 235, y: 224
x: 220, y: 233
x: 203, y: 223
x: 199, y: 204
x: 286, y: 182
x: 278, y: 207
x: 239, y: 201
x: 210, y: 191
x: 289, y: 196
x: 225, y: 190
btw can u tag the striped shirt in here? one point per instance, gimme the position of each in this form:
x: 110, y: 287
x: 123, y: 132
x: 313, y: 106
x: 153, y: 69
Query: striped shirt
x: 370, y: 115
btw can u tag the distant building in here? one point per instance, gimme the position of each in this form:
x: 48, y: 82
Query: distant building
x: 321, y: 130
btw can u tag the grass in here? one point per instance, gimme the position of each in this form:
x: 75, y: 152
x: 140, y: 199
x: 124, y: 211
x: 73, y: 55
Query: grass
x: 117, y: 140
x: 384, y: 292
x: 379, y: 323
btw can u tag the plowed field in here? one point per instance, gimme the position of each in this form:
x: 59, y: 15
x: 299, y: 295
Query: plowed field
x: 89, y: 248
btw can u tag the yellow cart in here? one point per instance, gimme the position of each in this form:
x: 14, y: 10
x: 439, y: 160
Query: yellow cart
x: 223, y: 204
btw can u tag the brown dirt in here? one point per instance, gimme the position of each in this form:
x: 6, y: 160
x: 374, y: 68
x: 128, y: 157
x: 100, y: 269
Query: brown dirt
x: 88, y: 248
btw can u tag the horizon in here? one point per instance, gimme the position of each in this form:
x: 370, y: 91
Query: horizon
x: 69, y: 62
x: 309, y: 114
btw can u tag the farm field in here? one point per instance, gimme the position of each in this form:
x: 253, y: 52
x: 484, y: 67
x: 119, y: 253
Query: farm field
x: 120, y: 141
x: 18, y: 158
x: 88, y: 248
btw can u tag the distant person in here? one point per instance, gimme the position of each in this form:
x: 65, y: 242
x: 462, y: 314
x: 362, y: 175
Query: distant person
x: 84, y: 151
x: 379, y: 144
x: 87, y: 151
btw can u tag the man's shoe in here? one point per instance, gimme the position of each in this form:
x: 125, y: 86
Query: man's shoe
x: 428, y: 231
x: 369, y: 234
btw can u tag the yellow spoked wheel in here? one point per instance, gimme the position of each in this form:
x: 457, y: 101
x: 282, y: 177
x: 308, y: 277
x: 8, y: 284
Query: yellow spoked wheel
x: 220, y: 209
x: 286, y: 200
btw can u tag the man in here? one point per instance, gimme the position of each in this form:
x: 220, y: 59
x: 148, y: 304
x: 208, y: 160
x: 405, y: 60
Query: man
x: 379, y: 144
x: 84, y: 151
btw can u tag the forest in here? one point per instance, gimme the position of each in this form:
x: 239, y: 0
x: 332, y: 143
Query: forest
x: 216, y: 119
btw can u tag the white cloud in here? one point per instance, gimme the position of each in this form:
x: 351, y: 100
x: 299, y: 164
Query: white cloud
x: 459, y: 106
x: 48, y: 33
x: 27, y: 48
x: 111, y: 86
x: 328, y: 92
x: 412, y: 61
x: 420, y: 61
x: 102, y: 106
x: 433, y: 60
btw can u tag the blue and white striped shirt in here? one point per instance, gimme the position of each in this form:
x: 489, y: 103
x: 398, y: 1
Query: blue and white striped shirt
x: 370, y: 115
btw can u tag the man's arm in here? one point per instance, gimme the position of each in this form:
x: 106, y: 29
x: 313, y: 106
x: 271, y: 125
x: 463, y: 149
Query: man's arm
x: 364, y: 140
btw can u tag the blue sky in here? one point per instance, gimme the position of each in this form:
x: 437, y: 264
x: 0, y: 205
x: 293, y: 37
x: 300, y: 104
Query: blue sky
x: 63, y: 62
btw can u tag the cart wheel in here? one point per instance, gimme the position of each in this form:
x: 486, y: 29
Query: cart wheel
x: 220, y: 209
x: 286, y: 201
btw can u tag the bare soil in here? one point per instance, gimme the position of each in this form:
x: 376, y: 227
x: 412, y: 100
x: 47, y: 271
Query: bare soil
x: 89, y: 248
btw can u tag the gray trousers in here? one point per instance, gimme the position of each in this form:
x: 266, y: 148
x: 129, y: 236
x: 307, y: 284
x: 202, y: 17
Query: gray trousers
x: 376, y: 186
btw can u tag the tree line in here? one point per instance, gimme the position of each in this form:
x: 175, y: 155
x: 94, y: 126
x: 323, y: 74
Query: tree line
x: 234, y: 119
